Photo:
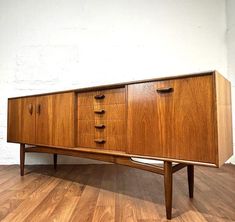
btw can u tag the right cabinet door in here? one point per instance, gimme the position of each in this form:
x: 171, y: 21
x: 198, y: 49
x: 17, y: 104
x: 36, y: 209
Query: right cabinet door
x: 55, y: 119
x: 173, y: 119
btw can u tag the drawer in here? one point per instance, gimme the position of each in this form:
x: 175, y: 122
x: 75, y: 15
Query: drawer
x: 111, y: 96
x: 102, y: 128
x: 102, y: 112
x: 115, y: 142
x: 86, y: 127
x: 107, y: 128
x: 110, y: 112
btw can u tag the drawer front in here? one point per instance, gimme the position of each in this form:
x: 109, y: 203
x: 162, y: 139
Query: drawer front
x: 102, y: 127
x: 173, y: 119
x: 102, y: 119
x: 115, y: 142
x: 102, y: 112
x: 112, y: 96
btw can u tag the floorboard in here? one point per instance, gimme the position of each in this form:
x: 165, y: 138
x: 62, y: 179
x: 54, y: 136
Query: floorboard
x: 113, y: 193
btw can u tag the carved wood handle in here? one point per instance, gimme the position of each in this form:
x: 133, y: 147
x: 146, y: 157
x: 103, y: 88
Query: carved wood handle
x: 30, y: 108
x: 38, y: 109
x: 101, y: 96
x: 165, y: 90
x: 100, y: 126
x: 100, y: 141
x: 100, y: 111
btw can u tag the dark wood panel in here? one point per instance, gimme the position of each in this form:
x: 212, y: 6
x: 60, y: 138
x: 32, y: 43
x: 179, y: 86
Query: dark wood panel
x: 178, y: 123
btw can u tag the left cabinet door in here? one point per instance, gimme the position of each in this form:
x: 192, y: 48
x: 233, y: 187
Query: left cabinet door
x: 21, y: 120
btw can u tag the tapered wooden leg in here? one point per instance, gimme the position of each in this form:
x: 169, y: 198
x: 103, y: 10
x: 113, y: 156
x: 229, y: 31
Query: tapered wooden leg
x: 190, y: 169
x: 22, y: 158
x: 55, y: 160
x: 168, y: 188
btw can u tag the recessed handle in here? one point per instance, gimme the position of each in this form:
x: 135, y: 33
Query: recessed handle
x: 100, y: 141
x: 99, y: 111
x: 30, y: 108
x: 165, y: 90
x: 38, y: 109
x: 100, y: 126
x: 100, y: 96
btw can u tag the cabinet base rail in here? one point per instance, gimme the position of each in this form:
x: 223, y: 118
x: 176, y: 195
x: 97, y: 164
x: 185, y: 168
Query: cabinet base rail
x: 167, y: 170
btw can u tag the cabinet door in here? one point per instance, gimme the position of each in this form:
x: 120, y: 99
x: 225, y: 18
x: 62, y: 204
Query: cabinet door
x: 21, y: 120
x: 28, y: 120
x: 14, y: 120
x: 173, y: 119
x: 55, y: 120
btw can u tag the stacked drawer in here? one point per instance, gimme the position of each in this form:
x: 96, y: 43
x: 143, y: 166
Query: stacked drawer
x: 102, y: 119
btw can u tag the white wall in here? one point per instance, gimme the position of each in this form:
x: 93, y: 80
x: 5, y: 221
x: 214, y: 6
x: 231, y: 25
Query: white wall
x: 55, y: 45
x: 231, y: 58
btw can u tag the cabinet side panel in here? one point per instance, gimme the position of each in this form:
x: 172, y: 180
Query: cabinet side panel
x: 14, y: 120
x: 224, y: 118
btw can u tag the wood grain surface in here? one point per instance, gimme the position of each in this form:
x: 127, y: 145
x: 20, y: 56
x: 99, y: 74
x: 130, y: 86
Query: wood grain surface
x: 178, y: 124
x: 224, y: 118
x: 107, y: 192
x: 112, y: 105
x: 56, y: 120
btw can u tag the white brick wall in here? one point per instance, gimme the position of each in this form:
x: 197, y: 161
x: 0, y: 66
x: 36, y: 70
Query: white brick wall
x: 55, y: 45
x: 231, y: 58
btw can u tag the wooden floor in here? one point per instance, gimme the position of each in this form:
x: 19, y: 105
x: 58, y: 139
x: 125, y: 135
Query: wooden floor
x: 112, y: 193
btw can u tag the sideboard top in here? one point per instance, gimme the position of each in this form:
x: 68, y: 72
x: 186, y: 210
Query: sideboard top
x: 117, y: 85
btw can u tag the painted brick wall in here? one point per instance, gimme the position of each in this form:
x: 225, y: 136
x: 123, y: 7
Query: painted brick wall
x: 62, y: 44
x: 231, y: 58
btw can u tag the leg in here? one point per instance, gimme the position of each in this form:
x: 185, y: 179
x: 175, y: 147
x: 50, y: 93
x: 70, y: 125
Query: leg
x: 55, y: 160
x: 168, y: 187
x: 22, y: 158
x: 190, y: 169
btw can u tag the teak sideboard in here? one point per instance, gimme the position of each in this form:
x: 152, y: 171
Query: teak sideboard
x: 185, y: 120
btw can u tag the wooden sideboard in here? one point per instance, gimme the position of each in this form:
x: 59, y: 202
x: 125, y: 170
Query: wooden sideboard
x: 182, y: 119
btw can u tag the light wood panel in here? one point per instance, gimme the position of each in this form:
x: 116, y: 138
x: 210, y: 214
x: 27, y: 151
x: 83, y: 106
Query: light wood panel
x: 14, y: 120
x: 184, y: 123
x: 176, y: 124
x: 103, y: 192
x: 56, y: 120
x: 111, y: 112
x: 106, y: 108
x: 28, y: 123
x: 109, y: 96
x: 224, y: 118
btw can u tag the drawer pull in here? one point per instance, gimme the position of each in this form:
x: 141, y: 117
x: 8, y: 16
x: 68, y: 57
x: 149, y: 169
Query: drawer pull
x: 100, y: 141
x: 100, y: 126
x: 30, y: 108
x: 101, y: 96
x: 165, y: 90
x: 100, y: 111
